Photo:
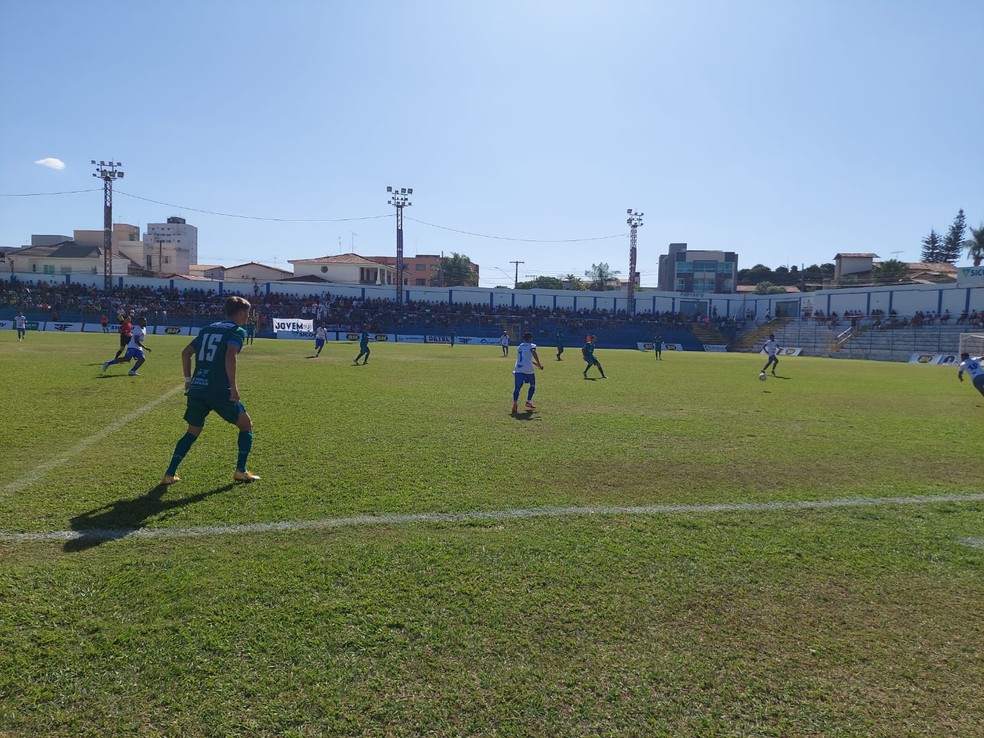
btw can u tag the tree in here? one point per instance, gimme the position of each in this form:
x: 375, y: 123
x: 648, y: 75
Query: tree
x: 975, y: 245
x: 767, y: 288
x: 758, y: 273
x: 953, y: 242
x: 890, y: 271
x: 542, y: 283
x: 932, y: 252
x: 455, y: 271
x: 601, y: 277
x: 574, y: 283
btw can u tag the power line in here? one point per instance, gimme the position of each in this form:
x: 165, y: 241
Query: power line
x: 42, y: 194
x: 523, y: 240
x: 253, y: 217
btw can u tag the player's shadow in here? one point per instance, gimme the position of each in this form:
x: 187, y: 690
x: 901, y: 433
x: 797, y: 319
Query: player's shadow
x: 528, y: 415
x: 125, y: 517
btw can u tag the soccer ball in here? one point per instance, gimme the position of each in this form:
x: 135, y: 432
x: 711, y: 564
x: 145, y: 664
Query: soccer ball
x: 762, y: 376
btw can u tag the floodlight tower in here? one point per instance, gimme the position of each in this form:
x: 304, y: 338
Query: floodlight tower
x: 399, y: 199
x: 634, y: 220
x: 107, y: 171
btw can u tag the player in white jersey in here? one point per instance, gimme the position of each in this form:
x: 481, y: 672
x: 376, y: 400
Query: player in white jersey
x: 504, y: 342
x: 20, y: 323
x: 320, y: 336
x: 134, y: 349
x: 974, y: 368
x: 523, y: 372
x: 771, y: 347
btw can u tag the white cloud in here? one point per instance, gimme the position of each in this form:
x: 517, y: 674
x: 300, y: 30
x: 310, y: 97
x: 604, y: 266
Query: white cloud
x: 51, y: 162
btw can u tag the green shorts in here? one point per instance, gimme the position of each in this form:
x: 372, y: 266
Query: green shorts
x: 200, y: 406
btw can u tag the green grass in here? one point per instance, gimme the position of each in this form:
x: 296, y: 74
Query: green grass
x: 844, y: 621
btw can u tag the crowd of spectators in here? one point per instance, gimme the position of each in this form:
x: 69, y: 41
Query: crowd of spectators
x: 161, y: 304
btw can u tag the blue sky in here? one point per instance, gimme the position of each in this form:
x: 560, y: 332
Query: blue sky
x: 786, y: 131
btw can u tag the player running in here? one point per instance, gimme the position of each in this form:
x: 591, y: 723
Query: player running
x: 125, y: 329
x: 523, y: 371
x: 320, y: 336
x: 587, y: 351
x: 213, y: 388
x: 363, y: 347
x: 974, y: 369
x: 20, y: 323
x: 771, y: 347
x: 134, y: 349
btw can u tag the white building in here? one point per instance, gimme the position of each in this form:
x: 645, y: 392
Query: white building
x: 344, y: 269
x: 170, y: 247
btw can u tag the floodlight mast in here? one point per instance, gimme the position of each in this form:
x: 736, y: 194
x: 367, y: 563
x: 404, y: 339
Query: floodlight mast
x: 399, y: 198
x: 108, y: 172
x: 634, y: 220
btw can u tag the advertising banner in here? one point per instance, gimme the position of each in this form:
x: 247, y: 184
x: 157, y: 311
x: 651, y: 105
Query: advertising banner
x: 169, y: 330
x: 65, y: 327
x: 715, y: 347
x: 373, y: 337
x: 293, y: 328
x: 788, y: 351
x: 478, y: 340
x: 648, y: 346
x: 410, y: 339
x: 934, y: 359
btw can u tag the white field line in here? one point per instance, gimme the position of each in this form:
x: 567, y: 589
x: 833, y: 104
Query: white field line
x: 537, y: 512
x: 39, y: 471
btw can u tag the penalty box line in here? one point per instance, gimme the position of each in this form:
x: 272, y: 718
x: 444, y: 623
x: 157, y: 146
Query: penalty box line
x: 39, y: 471
x: 106, y: 534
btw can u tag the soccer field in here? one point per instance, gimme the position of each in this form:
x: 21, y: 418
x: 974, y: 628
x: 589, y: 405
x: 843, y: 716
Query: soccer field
x: 677, y: 550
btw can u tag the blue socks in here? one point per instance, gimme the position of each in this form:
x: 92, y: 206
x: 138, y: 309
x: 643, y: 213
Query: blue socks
x: 245, y: 444
x: 182, y: 447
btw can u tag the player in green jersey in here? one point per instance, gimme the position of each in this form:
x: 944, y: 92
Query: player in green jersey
x: 363, y: 346
x: 212, y: 388
x: 587, y: 351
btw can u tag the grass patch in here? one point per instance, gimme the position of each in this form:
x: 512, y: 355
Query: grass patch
x: 834, y: 622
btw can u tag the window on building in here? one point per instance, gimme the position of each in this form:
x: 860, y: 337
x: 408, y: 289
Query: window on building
x: 420, y: 267
x: 421, y: 283
x: 681, y: 284
x: 150, y: 261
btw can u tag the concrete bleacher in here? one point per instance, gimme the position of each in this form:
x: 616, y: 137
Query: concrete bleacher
x: 898, y: 344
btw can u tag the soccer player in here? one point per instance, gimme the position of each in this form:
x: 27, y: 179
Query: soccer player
x: 560, y: 344
x: 363, y: 346
x: 134, y: 349
x: 320, y: 336
x: 587, y: 351
x: 213, y: 387
x: 523, y: 371
x: 504, y: 342
x: 974, y: 369
x: 771, y: 347
x: 658, y: 347
x: 125, y: 328
x: 20, y: 323
x: 250, y: 331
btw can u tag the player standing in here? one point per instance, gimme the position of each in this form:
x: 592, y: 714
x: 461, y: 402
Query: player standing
x: 213, y: 387
x: 134, y: 349
x: 974, y: 369
x: 363, y: 346
x: 771, y: 347
x: 523, y: 371
x: 560, y: 344
x: 587, y: 351
x: 504, y: 342
x: 20, y: 323
x: 658, y: 347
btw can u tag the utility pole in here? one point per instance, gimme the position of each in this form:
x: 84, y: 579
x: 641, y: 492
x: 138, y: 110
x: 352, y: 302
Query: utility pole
x: 634, y: 220
x: 160, y: 257
x: 399, y: 199
x: 107, y: 172
x: 516, y: 278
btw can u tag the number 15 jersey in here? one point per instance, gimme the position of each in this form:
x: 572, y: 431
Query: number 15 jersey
x: 210, y: 378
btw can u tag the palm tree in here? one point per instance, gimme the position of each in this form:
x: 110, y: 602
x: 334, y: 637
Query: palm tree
x: 572, y: 282
x: 602, y: 277
x: 975, y: 244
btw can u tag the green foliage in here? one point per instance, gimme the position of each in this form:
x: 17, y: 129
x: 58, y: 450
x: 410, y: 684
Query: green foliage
x: 811, y: 276
x: 685, y: 621
x: 932, y: 251
x: 975, y: 245
x: 572, y: 282
x: 767, y: 288
x: 602, y: 277
x: 455, y: 271
x: 953, y: 243
x: 890, y: 271
x: 542, y: 283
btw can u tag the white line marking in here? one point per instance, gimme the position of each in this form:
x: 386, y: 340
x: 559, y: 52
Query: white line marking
x: 38, y: 471
x: 106, y: 534
x: 975, y: 542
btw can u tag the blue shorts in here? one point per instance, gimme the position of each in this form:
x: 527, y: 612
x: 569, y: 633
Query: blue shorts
x: 522, y: 379
x: 133, y: 353
x: 319, y: 342
x: 200, y: 406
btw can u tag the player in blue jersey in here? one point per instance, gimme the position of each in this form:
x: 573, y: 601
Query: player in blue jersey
x: 213, y: 388
x: 523, y: 371
x: 974, y: 368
